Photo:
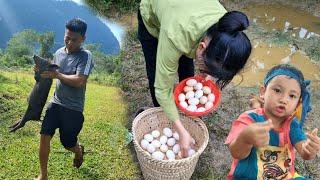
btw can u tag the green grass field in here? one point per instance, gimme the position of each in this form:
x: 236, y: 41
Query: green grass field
x: 103, y: 135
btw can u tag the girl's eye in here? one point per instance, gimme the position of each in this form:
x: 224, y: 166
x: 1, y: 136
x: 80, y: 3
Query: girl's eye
x: 293, y: 96
x: 276, y: 90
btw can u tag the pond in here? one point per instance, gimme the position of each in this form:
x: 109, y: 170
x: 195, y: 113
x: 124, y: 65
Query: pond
x: 264, y: 56
x: 275, y: 16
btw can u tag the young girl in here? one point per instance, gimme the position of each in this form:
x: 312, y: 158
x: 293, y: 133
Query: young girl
x: 262, y: 141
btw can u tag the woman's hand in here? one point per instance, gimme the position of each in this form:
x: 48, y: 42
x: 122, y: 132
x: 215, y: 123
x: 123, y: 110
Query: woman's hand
x: 185, y: 140
x: 207, y: 77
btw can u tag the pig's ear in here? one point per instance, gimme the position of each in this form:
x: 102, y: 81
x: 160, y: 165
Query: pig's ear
x: 36, y: 60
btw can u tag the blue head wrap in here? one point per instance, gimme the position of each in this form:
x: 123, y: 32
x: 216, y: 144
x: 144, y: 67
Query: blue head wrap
x: 305, y: 92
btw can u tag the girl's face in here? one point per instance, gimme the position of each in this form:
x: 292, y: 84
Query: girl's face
x: 281, y: 97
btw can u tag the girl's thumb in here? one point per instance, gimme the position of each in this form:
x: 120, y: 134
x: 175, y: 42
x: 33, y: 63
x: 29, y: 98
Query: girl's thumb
x: 315, y: 132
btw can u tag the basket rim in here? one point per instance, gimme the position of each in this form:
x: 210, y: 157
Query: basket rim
x: 146, y: 154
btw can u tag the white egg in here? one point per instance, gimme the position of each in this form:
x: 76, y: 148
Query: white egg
x: 170, y: 155
x: 151, y: 148
x: 198, y: 94
x: 158, y: 155
x: 148, y: 137
x: 155, y: 133
x: 208, y: 105
x: 191, y: 152
x: 206, y: 90
x: 193, y: 101
x: 201, y: 109
x: 163, y: 139
x: 183, y: 104
x: 176, y: 148
x: 176, y: 136
x: 156, y: 143
x: 164, y: 148
x: 179, y: 154
x: 171, y: 141
x: 182, y: 97
x: 211, y: 97
x: 191, y: 82
x: 198, y: 86
x: 187, y: 89
x: 167, y: 131
x: 144, y: 144
x: 189, y: 95
x: 203, y: 100
x: 192, y: 108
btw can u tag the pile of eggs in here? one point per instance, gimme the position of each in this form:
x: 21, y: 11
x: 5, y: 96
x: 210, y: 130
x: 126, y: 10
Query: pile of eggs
x: 196, y: 97
x: 163, y: 146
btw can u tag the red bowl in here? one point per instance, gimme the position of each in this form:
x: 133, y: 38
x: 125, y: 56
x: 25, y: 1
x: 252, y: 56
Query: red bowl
x: 214, y: 89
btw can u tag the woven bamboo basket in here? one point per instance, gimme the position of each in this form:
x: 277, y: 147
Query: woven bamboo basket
x: 154, y: 118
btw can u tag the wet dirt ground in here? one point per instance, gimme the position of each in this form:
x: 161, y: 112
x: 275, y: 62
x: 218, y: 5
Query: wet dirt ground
x: 265, y: 56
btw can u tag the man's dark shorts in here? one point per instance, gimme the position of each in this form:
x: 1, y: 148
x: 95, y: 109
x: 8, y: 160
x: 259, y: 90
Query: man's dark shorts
x: 67, y: 120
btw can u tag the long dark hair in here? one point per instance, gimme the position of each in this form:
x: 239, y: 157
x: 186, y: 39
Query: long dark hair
x: 229, y: 48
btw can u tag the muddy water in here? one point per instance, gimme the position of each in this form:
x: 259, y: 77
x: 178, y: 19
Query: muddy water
x: 265, y: 56
x: 274, y: 16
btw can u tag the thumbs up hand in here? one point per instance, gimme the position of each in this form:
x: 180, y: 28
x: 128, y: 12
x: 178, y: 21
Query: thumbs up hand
x: 258, y: 133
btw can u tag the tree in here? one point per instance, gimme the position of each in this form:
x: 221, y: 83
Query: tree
x: 46, y: 41
x: 20, y: 48
x: 103, y: 63
x: 24, y: 44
